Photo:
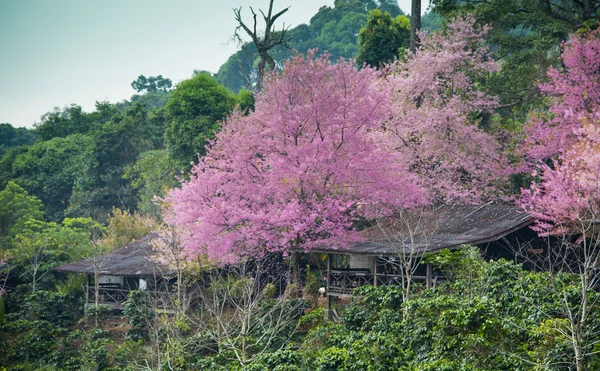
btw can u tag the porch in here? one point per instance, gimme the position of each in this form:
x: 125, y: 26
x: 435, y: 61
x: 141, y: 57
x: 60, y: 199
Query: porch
x: 114, y: 296
x: 343, y: 282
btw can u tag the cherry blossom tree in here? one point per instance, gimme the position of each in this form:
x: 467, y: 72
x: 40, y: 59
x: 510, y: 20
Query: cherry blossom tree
x: 565, y: 145
x: 575, y: 93
x: 300, y: 170
x: 437, y: 109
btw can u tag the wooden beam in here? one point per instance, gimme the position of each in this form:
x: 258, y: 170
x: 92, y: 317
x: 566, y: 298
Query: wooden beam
x: 429, y: 276
x: 375, y: 272
x: 329, y: 297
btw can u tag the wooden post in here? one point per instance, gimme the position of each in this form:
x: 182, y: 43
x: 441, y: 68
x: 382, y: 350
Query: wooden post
x: 429, y: 276
x: 295, y: 267
x: 86, y: 288
x: 329, y: 298
x: 375, y: 272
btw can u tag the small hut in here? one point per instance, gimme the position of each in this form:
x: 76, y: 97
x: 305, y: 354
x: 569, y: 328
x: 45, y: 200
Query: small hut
x: 132, y: 267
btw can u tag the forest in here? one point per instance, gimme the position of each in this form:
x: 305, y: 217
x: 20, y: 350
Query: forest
x: 304, y: 138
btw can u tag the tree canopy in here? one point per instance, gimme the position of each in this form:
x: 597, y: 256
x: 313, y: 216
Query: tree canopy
x: 194, y: 112
x: 320, y: 151
x: 152, y: 84
x: 382, y: 39
x: 299, y: 170
x: 563, y: 144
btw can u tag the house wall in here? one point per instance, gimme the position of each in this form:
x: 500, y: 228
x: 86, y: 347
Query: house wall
x: 362, y: 261
x: 111, y: 279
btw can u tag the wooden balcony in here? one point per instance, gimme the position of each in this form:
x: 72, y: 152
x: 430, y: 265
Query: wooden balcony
x: 114, y: 296
x: 344, y: 281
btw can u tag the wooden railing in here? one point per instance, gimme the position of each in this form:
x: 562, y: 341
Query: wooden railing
x: 343, y: 282
x: 115, y: 296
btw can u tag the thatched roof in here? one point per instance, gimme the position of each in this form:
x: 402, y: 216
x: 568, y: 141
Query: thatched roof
x: 134, y: 259
x: 446, y: 227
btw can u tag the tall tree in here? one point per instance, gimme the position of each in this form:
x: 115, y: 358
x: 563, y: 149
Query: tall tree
x: 16, y: 207
x: 50, y: 169
x: 116, y: 144
x: 195, y: 110
x: 439, y: 107
x: 565, y: 199
x: 299, y: 170
x: 152, y: 175
x: 152, y: 84
x: 382, y: 39
x: 415, y: 24
x: 263, y: 41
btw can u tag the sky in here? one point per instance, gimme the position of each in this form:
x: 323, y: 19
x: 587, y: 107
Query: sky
x: 57, y: 52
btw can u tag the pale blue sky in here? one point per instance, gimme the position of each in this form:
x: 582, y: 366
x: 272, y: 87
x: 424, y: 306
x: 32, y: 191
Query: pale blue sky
x: 57, y: 52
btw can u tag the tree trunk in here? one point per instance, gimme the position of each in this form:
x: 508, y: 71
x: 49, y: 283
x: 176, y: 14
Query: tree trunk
x: 415, y: 24
x: 96, y: 286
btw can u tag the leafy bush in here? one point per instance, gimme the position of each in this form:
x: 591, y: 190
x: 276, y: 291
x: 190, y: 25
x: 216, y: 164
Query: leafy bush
x: 140, y: 311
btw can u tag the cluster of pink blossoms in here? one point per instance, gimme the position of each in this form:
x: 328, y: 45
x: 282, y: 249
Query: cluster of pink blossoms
x: 329, y: 144
x: 564, y: 144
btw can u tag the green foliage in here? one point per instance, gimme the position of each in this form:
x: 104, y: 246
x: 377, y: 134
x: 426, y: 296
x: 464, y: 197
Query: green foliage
x: 152, y: 175
x: 125, y: 227
x: 60, y: 310
x: 16, y: 207
x: 153, y: 102
x: 14, y: 137
x: 195, y: 110
x: 50, y: 169
x: 116, y: 144
x: 382, y: 39
x: 140, y: 311
x: 152, y: 84
x: 40, y: 246
x: 99, y: 312
x: 61, y: 123
x: 28, y: 341
x: 245, y: 101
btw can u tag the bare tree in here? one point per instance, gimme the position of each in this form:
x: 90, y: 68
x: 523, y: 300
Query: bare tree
x: 572, y: 260
x: 169, y: 252
x: 5, y: 269
x: 263, y: 41
x: 243, y: 318
x: 409, y: 232
x: 34, y: 252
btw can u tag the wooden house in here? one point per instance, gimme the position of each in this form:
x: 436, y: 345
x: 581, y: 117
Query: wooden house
x: 132, y: 267
x: 499, y: 230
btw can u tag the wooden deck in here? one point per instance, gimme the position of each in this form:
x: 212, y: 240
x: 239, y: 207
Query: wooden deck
x: 344, y: 282
x: 114, y: 296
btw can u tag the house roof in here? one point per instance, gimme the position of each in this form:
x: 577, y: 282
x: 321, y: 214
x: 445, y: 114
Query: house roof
x: 134, y: 259
x: 446, y: 227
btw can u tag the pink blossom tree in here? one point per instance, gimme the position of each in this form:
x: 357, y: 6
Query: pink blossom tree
x: 299, y: 170
x: 564, y: 146
x: 574, y: 91
x: 437, y: 108
x: 328, y: 145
